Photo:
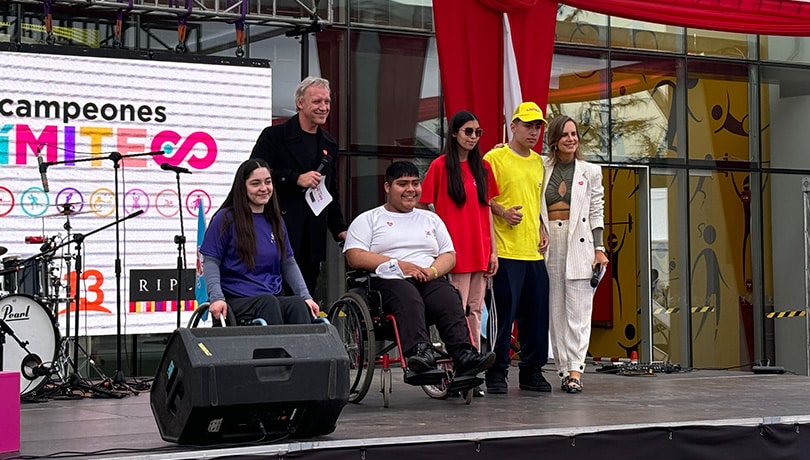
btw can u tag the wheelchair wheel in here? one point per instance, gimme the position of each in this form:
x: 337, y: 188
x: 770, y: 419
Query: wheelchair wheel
x: 351, y: 317
x: 201, y: 317
x: 439, y: 391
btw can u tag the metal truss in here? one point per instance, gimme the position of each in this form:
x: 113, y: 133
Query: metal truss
x: 266, y: 12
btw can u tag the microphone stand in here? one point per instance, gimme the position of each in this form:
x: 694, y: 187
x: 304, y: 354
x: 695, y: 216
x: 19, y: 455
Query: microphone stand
x: 180, y: 241
x: 116, y: 158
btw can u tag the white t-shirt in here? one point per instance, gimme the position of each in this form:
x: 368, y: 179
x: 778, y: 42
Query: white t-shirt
x: 418, y: 236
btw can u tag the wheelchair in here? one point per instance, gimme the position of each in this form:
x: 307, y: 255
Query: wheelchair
x: 362, y: 323
x: 202, y: 318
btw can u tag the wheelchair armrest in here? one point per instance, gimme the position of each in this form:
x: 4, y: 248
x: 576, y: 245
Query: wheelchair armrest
x: 357, y: 278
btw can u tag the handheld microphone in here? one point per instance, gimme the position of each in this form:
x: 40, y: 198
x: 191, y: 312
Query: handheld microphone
x: 323, y: 164
x: 43, y: 172
x: 597, y: 270
x: 177, y: 169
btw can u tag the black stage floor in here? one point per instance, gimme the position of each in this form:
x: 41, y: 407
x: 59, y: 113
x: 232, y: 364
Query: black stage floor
x: 698, y: 414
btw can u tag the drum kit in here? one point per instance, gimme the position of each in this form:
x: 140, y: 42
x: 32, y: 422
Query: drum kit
x: 30, y: 299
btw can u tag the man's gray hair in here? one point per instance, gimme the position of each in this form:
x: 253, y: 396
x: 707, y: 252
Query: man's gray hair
x: 306, y: 83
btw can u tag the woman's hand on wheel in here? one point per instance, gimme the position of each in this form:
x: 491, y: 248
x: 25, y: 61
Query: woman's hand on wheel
x: 218, y: 309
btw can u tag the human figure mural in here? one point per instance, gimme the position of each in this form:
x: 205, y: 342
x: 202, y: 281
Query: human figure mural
x: 630, y: 335
x: 614, y: 245
x: 745, y: 198
x: 700, y: 185
x: 730, y: 123
x: 713, y: 276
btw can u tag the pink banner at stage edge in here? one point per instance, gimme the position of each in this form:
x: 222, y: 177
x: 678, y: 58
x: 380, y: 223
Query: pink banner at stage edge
x: 9, y: 411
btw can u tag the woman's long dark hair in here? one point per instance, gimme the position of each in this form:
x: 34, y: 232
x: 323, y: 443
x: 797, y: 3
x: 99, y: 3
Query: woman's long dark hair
x: 238, y: 212
x: 455, y: 186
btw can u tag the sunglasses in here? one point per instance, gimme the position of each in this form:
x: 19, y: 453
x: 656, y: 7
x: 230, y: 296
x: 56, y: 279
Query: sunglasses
x: 470, y: 131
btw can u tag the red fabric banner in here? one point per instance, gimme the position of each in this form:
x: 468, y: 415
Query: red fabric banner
x: 469, y: 39
x: 764, y: 17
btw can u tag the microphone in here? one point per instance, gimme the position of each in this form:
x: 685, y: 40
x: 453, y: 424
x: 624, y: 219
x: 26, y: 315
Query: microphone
x: 43, y: 170
x: 321, y: 166
x: 324, y: 163
x: 597, y: 270
x: 177, y: 169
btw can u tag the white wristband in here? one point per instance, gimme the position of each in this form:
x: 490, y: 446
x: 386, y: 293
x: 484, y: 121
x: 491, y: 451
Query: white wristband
x: 390, y: 270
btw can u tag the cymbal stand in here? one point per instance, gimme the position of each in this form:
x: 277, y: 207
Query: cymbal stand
x: 74, y: 380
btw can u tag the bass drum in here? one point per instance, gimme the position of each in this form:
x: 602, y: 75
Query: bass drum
x: 30, y: 322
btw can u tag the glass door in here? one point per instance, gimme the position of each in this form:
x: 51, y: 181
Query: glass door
x: 623, y: 320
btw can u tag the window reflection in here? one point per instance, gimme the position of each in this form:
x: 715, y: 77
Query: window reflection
x: 785, y: 49
x: 721, y: 44
x: 784, y: 108
x: 579, y: 89
x: 628, y: 33
x: 644, y: 110
x: 666, y: 268
x: 580, y: 26
x: 394, y: 92
x: 410, y: 14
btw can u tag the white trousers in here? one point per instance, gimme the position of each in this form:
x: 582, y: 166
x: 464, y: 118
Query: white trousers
x: 570, y: 305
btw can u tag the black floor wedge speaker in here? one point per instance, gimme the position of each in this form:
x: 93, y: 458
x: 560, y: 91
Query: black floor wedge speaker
x: 250, y: 383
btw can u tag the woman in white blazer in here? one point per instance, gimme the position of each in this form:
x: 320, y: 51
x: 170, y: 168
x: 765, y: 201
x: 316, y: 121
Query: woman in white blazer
x: 573, y: 214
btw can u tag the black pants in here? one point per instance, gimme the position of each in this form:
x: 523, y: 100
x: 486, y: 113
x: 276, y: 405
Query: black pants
x: 273, y: 309
x: 415, y: 305
x: 310, y: 269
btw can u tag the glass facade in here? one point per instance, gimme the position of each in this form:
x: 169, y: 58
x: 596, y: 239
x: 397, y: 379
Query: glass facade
x: 716, y: 117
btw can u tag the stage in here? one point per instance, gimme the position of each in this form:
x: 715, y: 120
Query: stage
x: 698, y: 414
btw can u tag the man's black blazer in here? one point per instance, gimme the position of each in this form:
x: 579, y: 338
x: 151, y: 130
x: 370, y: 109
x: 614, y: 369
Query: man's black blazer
x: 283, y: 148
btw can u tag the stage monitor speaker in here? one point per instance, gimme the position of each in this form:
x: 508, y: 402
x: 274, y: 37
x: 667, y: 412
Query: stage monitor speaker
x: 250, y: 383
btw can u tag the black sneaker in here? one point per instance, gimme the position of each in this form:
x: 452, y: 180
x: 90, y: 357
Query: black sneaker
x: 471, y: 363
x: 422, y: 360
x: 496, y: 382
x: 531, y: 379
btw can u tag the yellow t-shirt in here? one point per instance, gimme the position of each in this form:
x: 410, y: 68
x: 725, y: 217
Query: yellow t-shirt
x: 520, y: 181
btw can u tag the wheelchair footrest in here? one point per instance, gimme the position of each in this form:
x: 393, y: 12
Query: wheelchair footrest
x: 430, y: 377
x: 464, y: 383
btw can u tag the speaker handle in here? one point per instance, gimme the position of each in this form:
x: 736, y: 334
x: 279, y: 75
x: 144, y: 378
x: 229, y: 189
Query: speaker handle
x: 174, y: 387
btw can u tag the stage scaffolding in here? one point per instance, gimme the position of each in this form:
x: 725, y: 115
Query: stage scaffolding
x: 266, y: 12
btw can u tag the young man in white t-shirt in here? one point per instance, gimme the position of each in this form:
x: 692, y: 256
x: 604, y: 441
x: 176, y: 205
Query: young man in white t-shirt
x: 409, y: 252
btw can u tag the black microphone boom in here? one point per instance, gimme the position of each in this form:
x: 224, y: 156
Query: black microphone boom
x: 177, y: 169
x: 43, y: 172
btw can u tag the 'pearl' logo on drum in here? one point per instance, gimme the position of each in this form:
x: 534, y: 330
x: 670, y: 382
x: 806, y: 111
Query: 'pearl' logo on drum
x: 10, y: 315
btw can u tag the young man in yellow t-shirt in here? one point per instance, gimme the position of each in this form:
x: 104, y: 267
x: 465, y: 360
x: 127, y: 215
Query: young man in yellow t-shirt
x: 520, y: 286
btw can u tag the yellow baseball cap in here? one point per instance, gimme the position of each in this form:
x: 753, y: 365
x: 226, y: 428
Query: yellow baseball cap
x: 527, y: 112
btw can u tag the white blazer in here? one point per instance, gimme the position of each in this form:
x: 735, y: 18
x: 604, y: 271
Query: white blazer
x: 587, y: 213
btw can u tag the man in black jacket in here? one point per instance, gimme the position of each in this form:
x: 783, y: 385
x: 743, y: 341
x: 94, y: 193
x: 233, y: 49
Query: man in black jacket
x: 301, y: 154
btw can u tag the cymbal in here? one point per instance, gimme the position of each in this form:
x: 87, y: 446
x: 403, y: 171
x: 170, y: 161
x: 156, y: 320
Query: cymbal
x: 66, y: 212
x: 3, y: 250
